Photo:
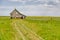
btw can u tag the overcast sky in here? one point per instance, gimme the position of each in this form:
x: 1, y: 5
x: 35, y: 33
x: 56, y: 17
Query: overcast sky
x: 31, y: 7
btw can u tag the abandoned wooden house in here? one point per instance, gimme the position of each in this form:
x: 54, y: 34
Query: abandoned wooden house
x: 16, y: 14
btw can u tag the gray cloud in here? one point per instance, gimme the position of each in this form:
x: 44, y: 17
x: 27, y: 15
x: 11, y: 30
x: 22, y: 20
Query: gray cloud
x: 35, y: 8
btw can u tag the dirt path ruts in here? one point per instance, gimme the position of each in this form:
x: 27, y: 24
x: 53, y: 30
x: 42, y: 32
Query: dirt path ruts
x: 32, y: 35
x: 19, y: 32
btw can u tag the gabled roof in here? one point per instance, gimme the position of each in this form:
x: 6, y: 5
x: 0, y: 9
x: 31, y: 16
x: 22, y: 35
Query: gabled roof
x: 16, y: 11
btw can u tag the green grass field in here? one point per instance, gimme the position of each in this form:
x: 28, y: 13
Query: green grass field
x: 46, y: 27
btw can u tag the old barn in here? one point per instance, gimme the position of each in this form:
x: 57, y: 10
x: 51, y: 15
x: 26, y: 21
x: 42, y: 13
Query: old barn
x: 16, y: 14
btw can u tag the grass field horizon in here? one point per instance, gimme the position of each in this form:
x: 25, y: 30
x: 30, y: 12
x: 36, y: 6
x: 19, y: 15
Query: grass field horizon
x: 46, y: 27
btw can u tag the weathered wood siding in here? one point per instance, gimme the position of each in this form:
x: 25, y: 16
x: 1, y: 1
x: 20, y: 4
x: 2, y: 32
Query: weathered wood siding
x: 16, y: 14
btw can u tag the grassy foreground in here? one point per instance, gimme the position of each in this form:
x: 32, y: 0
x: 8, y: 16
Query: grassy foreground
x: 46, y: 27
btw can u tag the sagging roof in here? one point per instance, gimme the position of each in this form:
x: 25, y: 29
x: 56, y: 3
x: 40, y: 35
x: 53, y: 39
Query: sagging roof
x: 16, y: 11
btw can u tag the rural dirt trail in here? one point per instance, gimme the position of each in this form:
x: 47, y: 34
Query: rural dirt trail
x: 18, y: 31
x: 25, y: 32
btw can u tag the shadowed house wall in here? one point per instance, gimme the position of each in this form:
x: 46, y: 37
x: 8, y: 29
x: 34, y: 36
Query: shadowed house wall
x: 16, y: 14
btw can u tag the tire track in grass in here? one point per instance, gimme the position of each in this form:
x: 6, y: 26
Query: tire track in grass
x: 30, y: 33
x: 16, y: 33
x: 23, y: 31
x: 20, y: 33
x: 13, y: 26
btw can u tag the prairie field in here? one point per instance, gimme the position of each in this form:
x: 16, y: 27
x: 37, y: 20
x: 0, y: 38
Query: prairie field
x: 30, y: 28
